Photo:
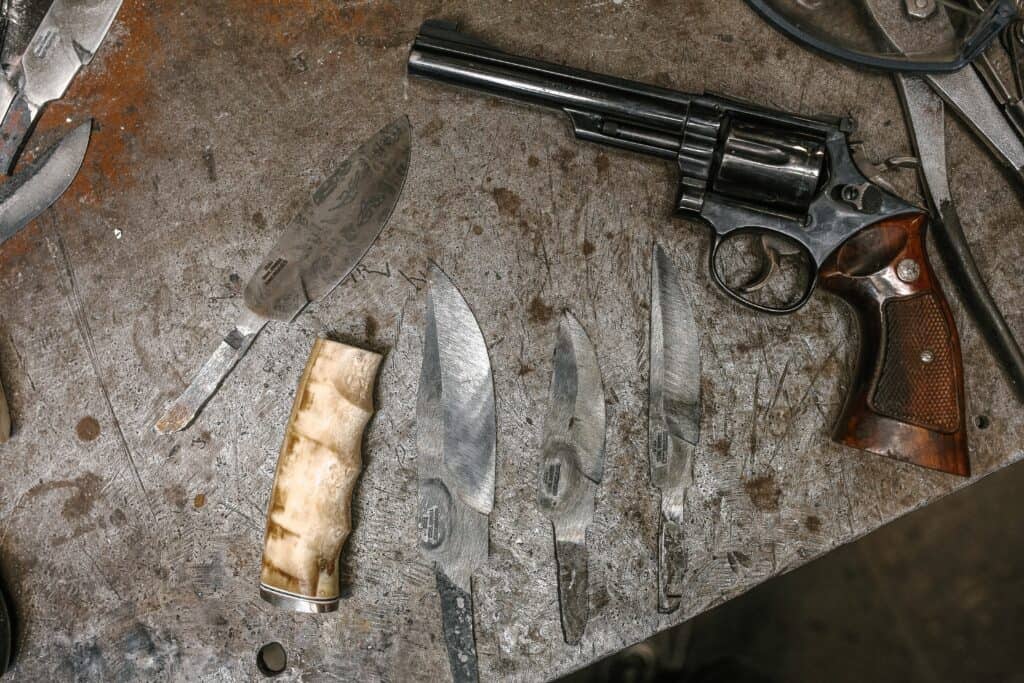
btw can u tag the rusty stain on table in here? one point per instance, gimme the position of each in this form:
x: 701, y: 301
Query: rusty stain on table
x: 133, y: 556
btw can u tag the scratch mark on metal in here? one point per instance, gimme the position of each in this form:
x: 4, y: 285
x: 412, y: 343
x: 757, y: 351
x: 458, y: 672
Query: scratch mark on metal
x: 70, y: 290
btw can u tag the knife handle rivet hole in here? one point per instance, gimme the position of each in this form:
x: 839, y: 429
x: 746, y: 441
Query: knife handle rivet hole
x: 982, y: 422
x: 271, y: 659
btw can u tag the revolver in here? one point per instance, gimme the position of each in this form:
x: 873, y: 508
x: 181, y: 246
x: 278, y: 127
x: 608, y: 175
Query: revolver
x: 790, y: 182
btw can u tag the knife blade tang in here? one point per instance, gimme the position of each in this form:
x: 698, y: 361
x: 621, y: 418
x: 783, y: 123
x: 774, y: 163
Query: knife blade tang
x: 457, y: 623
x: 926, y: 119
x: 180, y: 413
x: 573, y: 588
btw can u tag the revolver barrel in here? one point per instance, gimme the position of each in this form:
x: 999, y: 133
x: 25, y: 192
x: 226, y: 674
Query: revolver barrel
x: 613, y: 111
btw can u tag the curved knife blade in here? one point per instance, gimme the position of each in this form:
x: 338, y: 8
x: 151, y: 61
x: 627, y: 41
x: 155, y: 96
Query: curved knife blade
x: 320, y: 247
x: 572, y: 466
x: 40, y: 183
x: 335, y: 228
x: 675, y: 412
x: 455, y: 438
x: 66, y: 40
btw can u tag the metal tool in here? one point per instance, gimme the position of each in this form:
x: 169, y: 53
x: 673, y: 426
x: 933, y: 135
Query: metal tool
x: 572, y: 466
x: 675, y: 412
x: 455, y: 436
x: 66, y: 40
x: 837, y: 29
x: 923, y: 100
x: 746, y: 169
x: 315, y: 253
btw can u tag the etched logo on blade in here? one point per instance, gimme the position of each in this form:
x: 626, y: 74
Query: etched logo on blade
x: 659, y: 449
x: 434, y: 514
x: 552, y: 477
x: 271, y: 270
x: 428, y: 527
x: 47, y: 39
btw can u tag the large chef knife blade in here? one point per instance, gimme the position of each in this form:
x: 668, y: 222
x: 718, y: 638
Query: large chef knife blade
x: 674, y: 418
x: 39, y: 183
x: 572, y: 466
x: 455, y: 437
x: 318, y: 249
x: 66, y: 40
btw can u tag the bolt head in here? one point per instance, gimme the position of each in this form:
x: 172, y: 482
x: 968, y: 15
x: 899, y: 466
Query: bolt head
x: 908, y: 270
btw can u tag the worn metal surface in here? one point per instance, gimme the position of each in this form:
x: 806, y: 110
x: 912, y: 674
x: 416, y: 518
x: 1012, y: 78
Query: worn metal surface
x: 130, y: 555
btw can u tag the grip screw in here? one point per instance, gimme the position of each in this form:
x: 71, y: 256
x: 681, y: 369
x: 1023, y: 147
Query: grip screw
x: 927, y: 357
x: 908, y: 270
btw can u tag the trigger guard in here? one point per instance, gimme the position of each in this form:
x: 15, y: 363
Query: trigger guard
x: 753, y: 305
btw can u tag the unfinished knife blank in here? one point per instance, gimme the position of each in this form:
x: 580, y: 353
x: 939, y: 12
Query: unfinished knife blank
x: 309, y: 515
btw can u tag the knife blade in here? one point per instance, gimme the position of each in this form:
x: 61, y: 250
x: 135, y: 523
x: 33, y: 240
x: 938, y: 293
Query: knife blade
x: 675, y: 412
x: 455, y: 438
x: 66, y: 40
x: 39, y: 183
x: 327, y: 239
x: 572, y: 466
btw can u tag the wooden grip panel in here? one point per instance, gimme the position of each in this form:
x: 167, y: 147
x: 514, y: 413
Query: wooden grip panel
x: 907, y: 397
x: 309, y: 515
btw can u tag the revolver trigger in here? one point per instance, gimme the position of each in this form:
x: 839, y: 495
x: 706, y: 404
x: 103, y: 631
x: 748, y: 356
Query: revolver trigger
x: 769, y: 264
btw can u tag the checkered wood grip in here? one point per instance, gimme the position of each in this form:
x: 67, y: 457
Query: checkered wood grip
x: 906, y: 397
x: 916, y: 382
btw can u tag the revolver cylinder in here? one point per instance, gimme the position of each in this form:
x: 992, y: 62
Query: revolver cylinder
x: 770, y: 167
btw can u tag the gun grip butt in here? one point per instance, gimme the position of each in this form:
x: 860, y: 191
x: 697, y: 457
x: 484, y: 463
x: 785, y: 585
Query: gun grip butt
x: 309, y: 516
x: 907, y: 396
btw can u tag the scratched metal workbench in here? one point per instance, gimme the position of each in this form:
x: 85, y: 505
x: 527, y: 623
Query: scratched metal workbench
x: 133, y: 556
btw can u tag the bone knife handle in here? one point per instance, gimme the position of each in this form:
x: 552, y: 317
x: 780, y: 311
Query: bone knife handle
x: 180, y: 414
x: 309, y: 515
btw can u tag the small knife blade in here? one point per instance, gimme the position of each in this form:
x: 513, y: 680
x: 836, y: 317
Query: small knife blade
x: 572, y: 466
x: 66, y: 40
x: 675, y: 412
x: 455, y: 436
x: 319, y: 249
x: 42, y: 181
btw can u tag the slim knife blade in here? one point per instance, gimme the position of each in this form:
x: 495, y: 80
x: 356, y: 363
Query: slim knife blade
x: 66, y: 40
x: 675, y: 412
x: 318, y: 250
x: 572, y: 466
x: 926, y: 118
x: 42, y: 181
x: 455, y: 436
